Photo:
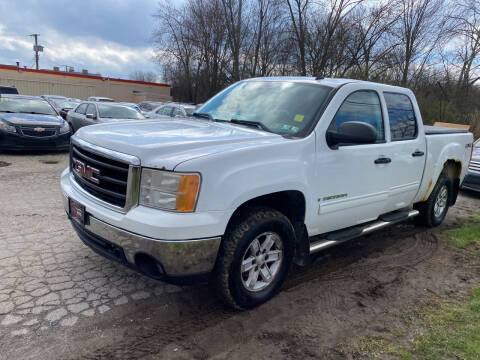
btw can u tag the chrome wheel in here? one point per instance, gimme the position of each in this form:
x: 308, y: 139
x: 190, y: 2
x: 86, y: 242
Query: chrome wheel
x: 441, y: 202
x: 261, y: 261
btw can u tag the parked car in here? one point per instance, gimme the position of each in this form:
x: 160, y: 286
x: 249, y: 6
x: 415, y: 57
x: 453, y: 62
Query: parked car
x: 31, y: 123
x: 52, y: 98
x: 172, y: 110
x: 100, y: 99
x: 63, y: 107
x: 147, y: 106
x: 131, y: 105
x: 8, y: 89
x: 90, y: 113
x: 273, y: 170
x: 472, y: 179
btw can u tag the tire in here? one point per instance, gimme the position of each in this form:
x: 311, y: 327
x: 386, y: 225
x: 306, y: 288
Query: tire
x: 246, y: 241
x: 434, y: 210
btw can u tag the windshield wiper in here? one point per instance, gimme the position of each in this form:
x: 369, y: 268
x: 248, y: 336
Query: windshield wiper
x: 203, y: 116
x: 35, y: 113
x: 251, y: 123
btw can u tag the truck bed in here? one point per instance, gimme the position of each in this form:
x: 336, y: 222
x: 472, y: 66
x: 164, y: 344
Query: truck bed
x: 440, y: 130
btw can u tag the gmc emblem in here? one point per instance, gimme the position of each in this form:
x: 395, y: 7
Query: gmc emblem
x: 86, y: 171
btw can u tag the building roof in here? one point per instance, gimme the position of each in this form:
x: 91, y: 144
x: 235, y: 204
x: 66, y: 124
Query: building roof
x: 76, y: 75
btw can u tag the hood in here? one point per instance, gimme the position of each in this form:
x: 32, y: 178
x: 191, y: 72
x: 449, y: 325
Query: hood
x: 32, y: 119
x: 167, y: 143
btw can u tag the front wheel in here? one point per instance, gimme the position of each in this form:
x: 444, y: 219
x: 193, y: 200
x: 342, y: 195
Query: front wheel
x: 254, y: 258
x: 434, y: 210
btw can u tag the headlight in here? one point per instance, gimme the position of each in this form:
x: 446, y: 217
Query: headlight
x: 169, y: 190
x: 65, y: 128
x: 6, y: 127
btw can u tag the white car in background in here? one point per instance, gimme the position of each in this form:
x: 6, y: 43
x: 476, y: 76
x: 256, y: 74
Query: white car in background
x: 100, y: 99
x: 172, y: 110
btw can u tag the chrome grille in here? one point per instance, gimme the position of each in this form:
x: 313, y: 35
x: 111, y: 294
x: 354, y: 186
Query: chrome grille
x: 108, y: 176
x: 38, y: 131
x: 474, y: 165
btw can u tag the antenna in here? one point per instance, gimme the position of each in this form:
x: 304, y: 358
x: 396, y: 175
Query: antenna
x: 36, y: 48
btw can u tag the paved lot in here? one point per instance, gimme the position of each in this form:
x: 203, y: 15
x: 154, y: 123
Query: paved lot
x: 59, y: 300
x: 48, y: 277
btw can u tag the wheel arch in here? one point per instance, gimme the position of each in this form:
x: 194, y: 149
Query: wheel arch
x: 291, y: 203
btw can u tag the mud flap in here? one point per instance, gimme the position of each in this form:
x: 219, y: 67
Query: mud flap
x: 302, y: 245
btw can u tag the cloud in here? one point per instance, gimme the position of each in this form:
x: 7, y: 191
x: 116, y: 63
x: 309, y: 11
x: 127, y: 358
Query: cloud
x: 111, y: 37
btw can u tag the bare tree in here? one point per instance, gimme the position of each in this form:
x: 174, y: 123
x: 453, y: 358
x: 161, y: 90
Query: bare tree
x: 418, y: 32
x: 147, y: 76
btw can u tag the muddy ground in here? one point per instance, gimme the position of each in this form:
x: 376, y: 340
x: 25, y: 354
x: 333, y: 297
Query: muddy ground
x: 360, y: 288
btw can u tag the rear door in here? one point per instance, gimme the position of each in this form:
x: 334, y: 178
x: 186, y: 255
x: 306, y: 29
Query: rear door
x: 408, y: 148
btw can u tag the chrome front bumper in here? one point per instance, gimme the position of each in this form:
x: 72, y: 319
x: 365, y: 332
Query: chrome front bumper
x: 178, y: 258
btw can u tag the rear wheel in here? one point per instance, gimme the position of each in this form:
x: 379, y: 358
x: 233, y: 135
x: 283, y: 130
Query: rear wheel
x: 434, y: 210
x: 254, y: 258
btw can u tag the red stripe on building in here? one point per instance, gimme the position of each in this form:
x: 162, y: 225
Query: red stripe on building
x: 83, y: 76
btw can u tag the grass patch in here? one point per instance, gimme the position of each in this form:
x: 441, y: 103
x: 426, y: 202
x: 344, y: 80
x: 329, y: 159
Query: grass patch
x: 453, y: 333
x: 465, y: 236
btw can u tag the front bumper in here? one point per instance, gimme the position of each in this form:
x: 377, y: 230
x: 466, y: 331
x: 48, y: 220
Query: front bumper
x: 17, y: 142
x: 176, y: 258
x: 471, y: 181
x: 170, y: 239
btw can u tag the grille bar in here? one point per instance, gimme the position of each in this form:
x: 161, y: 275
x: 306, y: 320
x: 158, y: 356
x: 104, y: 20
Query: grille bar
x: 29, y: 130
x: 98, y: 188
x: 474, y: 165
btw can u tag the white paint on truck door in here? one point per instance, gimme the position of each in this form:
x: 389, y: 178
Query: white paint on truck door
x: 351, y: 187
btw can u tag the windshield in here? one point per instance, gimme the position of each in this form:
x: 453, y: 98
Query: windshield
x: 282, y: 107
x: 29, y: 106
x: 118, y: 112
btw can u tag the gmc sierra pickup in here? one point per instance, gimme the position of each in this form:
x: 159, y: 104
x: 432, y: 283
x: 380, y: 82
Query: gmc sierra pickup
x: 269, y: 171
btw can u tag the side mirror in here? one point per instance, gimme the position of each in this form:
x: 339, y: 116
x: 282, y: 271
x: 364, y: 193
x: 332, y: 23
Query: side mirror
x: 352, y: 132
x: 91, y: 116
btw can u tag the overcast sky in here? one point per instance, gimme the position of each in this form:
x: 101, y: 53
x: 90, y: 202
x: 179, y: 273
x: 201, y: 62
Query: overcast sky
x: 112, y: 37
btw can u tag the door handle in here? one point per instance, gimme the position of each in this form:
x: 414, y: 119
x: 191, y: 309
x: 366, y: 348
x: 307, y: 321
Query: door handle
x: 383, y: 160
x: 418, y: 153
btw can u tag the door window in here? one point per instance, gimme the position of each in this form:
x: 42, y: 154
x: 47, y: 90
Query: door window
x: 81, y: 109
x: 364, y: 106
x: 178, y: 112
x: 91, y: 110
x: 166, y: 110
x: 403, y: 124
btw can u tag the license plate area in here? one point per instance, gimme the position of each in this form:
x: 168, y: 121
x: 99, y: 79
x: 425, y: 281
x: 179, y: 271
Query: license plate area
x: 76, y: 211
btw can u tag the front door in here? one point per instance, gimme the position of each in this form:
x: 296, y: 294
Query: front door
x: 352, y: 180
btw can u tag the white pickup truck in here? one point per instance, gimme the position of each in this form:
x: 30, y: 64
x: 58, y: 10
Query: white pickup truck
x: 269, y: 171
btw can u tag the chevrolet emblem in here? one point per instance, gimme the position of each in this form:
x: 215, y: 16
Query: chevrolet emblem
x: 39, y: 129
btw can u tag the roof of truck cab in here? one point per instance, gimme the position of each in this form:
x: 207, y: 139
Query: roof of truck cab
x: 332, y: 82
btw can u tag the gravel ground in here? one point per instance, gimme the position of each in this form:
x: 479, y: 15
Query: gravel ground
x: 58, y: 299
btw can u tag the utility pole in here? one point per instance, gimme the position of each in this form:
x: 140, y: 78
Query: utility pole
x: 36, y: 48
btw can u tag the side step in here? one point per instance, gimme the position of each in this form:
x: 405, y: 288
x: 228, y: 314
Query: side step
x: 337, y: 237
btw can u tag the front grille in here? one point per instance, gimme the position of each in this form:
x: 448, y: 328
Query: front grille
x: 474, y: 165
x: 112, y: 176
x: 38, y: 131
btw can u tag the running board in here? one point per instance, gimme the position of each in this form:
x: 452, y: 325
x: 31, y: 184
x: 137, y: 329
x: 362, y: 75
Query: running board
x: 340, y: 236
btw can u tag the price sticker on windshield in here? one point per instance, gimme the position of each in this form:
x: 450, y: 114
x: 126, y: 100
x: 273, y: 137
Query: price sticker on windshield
x: 298, y: 118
